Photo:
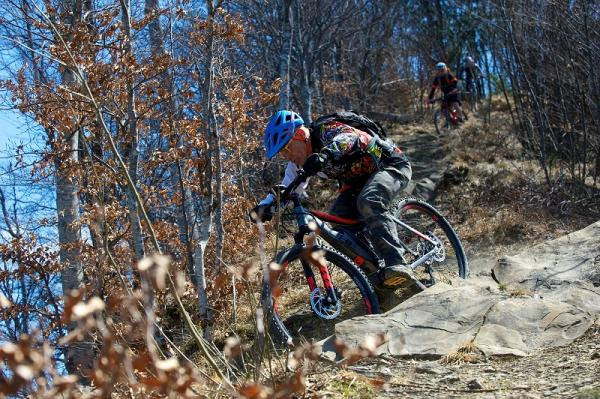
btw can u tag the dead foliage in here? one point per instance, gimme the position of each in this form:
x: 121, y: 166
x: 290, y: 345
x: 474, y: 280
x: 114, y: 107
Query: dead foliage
x: 468, y: 352
x: 495, y: 192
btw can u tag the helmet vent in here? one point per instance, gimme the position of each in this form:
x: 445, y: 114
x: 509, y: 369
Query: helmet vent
x: 280, y: 130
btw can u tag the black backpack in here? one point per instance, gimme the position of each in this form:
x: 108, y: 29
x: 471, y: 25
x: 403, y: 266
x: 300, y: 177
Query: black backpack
x: 353, y: 119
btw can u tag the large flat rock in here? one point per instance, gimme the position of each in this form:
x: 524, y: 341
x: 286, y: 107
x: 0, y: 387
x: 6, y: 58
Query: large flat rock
x: 546, y: 297
x: 575, y: 256
x: 432, y: 323
x: 518, y: 326
x: 442, y: 319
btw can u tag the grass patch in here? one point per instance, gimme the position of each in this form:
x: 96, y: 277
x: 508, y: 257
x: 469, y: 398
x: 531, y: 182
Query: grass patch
x: 496, y: 194
x: 520, y: 292
x: 354, y: 388
x: 514, y: 292
x: 588, y: 393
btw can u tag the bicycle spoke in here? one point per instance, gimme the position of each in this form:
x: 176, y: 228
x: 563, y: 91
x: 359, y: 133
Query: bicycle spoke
x: 445, y: 262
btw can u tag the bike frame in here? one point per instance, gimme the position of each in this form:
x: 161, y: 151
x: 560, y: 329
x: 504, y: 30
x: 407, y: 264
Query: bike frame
x: 446, y: 110
x: 346, y: 241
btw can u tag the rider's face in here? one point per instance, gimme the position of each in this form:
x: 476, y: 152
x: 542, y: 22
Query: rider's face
x: 440, y: 72
x: 295, y: 151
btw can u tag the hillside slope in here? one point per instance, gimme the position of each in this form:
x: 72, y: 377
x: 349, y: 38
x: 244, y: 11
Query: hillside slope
x: 544, y: 340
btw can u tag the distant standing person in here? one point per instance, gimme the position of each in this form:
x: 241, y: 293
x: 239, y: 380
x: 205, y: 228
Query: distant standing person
x: 471, y: 73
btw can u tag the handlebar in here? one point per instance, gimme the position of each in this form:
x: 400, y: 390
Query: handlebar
x: 442, y: 98
x: 300, y: 178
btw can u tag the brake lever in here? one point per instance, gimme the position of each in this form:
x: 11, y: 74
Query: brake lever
x: 277, y: 190
x: 300, y: 178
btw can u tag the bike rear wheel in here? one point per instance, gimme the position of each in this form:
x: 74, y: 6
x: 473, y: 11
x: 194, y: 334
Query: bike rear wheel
x: 449, y: 261
x: 296, y: 313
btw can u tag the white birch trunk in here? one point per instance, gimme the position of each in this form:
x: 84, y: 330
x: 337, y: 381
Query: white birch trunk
x: 78, y: 355
x: 132, y: 153
x: 286, y: 53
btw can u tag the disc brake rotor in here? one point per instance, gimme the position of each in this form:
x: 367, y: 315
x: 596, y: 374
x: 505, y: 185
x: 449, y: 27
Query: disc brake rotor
x: 323, y: 307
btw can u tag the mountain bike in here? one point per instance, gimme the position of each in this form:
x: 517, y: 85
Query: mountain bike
x: 318, y: 282
x: 470, y: 94
x: 447, y: 116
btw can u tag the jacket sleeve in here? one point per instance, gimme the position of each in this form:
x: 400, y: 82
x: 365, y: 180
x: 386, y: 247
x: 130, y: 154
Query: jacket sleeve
x: 434, y: 86
x: 291, y: 171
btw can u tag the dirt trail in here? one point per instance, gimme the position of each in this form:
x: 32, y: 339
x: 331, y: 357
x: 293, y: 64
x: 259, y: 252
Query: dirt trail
x: 427, y: 159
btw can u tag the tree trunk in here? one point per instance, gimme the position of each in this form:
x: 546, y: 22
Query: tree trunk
x: 214, y: 138
x: 304, y: 45
x: 78, y: 355
x: 132, y: 153
x: 285, y: 54
x: 201, y: 225
x: 218, y: 197
x: 183, y: 223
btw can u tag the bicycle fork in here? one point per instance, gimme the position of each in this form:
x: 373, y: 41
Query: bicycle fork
x: 325, y: 276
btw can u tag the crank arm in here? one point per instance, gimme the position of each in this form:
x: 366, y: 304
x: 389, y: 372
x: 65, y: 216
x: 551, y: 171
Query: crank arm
x: 423, y: 259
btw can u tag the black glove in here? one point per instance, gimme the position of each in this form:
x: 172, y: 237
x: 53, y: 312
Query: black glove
x: 314, y: 163
x: 260, y: 213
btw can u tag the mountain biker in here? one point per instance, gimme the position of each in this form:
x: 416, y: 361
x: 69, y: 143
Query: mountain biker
x: 446, y: 82
x: 373, y: 173
x: 471, y: 72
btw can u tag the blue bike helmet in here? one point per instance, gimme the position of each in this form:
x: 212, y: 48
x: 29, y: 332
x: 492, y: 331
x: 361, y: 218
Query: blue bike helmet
x: 280, y: 130
x: 440, y: 65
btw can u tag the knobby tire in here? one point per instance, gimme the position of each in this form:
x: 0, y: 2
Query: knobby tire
x: 279, y: 332
x: 409, y: 210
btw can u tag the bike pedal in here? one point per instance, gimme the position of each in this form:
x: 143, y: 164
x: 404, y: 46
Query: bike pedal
x: 427, y: 282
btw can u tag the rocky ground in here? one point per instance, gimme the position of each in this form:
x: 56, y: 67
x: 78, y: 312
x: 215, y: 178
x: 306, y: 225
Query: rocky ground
x: 508, y: 227
x: 569, y: 371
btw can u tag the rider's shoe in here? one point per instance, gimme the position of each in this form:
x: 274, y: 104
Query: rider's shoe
x: 400, y: 276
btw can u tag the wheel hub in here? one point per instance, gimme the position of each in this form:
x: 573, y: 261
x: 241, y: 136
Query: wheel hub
x: 325, y: 307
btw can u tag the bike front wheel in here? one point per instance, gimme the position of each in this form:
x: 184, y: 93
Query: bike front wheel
x: 298, y: 309
x: 429, y: 233
x: 440, y: 121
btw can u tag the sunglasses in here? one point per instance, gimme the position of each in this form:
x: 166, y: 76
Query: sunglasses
x: 286, y: 149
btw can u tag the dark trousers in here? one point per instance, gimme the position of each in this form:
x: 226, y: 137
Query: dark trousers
x: 371, y: 203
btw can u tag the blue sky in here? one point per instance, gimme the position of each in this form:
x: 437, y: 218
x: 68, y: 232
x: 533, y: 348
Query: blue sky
x: 12, y: 126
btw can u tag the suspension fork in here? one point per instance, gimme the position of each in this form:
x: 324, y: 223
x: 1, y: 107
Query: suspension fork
x: 325, y: 277
x: 302, y: 219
